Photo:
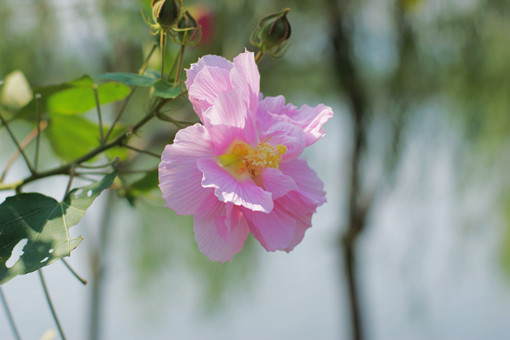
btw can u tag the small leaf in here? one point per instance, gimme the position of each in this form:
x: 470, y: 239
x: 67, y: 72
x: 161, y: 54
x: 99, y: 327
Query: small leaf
x: 42, y: 225
x: 16, y: 91
x: 131, y: 79
x: 81, y: 98
x: 76, y: 96
x: 84, y: 135
x: 148, y: 182
x: 165, y: 90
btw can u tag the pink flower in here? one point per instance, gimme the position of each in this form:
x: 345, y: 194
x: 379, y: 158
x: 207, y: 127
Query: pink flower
x: 239, y: 172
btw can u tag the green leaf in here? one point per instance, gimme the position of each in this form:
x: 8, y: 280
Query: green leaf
x: 16, y: 91
x: 131, y: 79
x: 74, y: 136
x: 148, y: 182
x: 42, y: 223
x: 81, y: 98
x: 165, y: 90
x: 76, y: 96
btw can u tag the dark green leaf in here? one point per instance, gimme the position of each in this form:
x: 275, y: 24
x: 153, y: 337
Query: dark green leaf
x: 131, y: 79
x: 74, y: 136
x: 148, y: 182
x: 43, y: 225
x: 165, y: 90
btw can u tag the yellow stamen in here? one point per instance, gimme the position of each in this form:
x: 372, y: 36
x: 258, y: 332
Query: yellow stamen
x: 242, y: 160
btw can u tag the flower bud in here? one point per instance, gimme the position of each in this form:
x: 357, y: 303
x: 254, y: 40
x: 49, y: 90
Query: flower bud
x: 189, y: 30
x: 166, y: 12
x: 272, y: 31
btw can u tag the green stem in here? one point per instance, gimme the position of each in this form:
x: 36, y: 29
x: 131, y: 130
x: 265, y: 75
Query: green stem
x: 259, y: 56
x: 65, y: 169
x: 38, y: 137
x: 146, y: 61
x: 20, y: 149
x: 50, y: 304
x: 98, y: 264
x: 99, y: 115
x: 147, y: 152
x: 9, y: 315
x: 181, y: 60
x: 162, y: 46
x: 124, y: 105
x: 82, y: 280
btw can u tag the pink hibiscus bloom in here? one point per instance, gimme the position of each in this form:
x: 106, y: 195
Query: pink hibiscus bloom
x: 239, y: 172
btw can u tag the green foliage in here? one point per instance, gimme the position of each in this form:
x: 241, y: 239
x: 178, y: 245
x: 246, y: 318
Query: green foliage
x: 73, y: 97
x: 74, y: 136
x: 162, y: 88
x: 166, y: 90
x: 81, y: 98
x: 131, y: 79
x: 44, y: 223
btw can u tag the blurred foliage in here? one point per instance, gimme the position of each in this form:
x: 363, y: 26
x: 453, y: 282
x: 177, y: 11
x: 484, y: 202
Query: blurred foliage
x: 165, y: 243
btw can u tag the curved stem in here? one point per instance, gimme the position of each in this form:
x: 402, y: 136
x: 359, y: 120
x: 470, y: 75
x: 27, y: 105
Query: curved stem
x: 20, y: 149
x: 9, y: 315
x: 38, y: 137
x: 99, y: 115
x: 162, y: 46
x: 259, y: 56
x: 181, y: 60
x: 126, y: 101
x: 82, y: 280
x: 46, y: 293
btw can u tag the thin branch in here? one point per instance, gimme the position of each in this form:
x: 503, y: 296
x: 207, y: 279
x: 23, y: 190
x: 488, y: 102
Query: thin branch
x: 146, y: 61
x: 50, y: 304
x: 181, y: 60
x: 37, y: 142
x: 112, y: 163
x: 9, y: 315
x: 82, y: 280
x: 28, y: 139
x: 163, y: 47
x: 120, y: 113
x: 147, y: 152
x: 65, y: 169
x: 99, y: 115
x: 69, y: 183
x: 20, y: 149
x: 180, y: 124
x: 128, y: 98
x: 259, y: 56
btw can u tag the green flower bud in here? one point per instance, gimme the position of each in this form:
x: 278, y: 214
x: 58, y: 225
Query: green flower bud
x: 166, y: 12
x: 273, y: 31
x: 189, y: 30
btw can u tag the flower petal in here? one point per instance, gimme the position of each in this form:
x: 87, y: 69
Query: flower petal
x: 228, y: 120
x: 277, y: 183
x: 310, y: 119
x: 179, y: 177
x: 288, y: 134
x: 274, y: 231
x: 214, y: 246
x: 245, y: 76
x: 309, y: 185
x: 301, y: 211
x: 228, y: 189
x: 206, y: 79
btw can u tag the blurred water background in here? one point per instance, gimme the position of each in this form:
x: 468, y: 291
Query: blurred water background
x: 433, y: 257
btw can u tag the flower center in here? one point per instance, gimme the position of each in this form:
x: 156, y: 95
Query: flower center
x: 242, y: 160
